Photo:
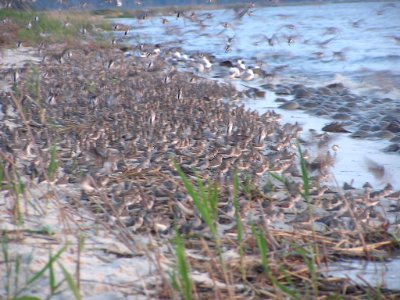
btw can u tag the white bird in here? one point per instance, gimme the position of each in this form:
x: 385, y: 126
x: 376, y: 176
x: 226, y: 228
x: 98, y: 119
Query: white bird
x: 234, y: 72
x: 241, y: 64
x: 200, y: 67
x: 207, y: 63
x: 248, y: 75
x: 177, y: 55
x: 186, y: 57
x: 156, y: 51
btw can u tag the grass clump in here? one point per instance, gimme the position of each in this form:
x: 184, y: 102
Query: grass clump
x: 255, y: 260
x: 16, y: 270
x: 180, y: 277
x: 206, y: 201
x: 34, y: 28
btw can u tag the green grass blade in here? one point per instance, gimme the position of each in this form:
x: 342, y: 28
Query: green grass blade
x: 52, y: 278
x: 20, y: 187
x: 246, y: 185
x: 206, y: 200
x: 213, y: 202
x: 304, y: 175
x: 53, y: 165
x: 187, y: 184
x: 16, y: 272
x: 183, y: 268
x: 8, y: 267
x: 286, y: 290
x: 278, y: 177
x: 239, y: 224
x: 201, y: 207
x: 1, y: 175
x: 262, y: 246
x: 174, y: 281
x: 202, y: 190
x: 40, y: 273
x: 71, y: 283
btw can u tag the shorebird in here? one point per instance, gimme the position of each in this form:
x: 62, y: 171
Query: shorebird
x: 215, y: 163
x: 375, y: 169
x: 234, y: 72
x: 247, y: 75
x: 395, y: 38
x: 241, y: 65
x: 131, y: 130
x: 272, y: 40
x: 335, y: 127
x: 224, y: 167
x: 262, y: 168
x: 207, y: 64
x: 15, y: 76
x: 377, y: 195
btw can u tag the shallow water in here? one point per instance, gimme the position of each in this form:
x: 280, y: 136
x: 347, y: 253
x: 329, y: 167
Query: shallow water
x: 352, y: 155
x: 352, y: 43
x: 383, y: 274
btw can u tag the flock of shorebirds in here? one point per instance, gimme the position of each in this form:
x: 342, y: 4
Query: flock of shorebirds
x: 123, y: 120
x: 121, y: 127
x: 128, y: 119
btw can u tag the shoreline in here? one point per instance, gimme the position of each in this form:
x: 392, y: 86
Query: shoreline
x: 215, y: 6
